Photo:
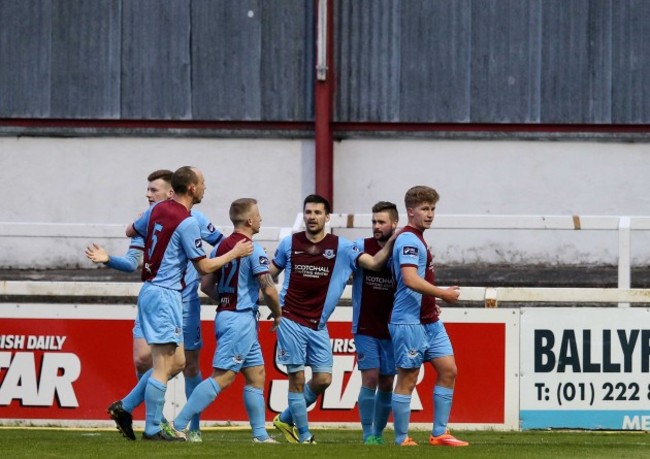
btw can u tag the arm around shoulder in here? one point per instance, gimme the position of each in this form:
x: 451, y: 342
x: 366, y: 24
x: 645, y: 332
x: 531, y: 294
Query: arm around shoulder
x: 207, y: 266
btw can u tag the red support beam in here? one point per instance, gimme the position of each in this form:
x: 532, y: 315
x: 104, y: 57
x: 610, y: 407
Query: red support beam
x: 324, y: 102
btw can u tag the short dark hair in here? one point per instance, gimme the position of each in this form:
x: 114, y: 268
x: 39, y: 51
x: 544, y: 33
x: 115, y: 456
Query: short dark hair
x: 164, y: 174
x: 239, y: 208
x: 317, y: 199
x: 388, y: 207
x: 182, y: 179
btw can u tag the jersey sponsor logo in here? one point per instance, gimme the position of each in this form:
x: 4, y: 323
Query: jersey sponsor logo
x: 264, y: 261
x: 412, y: 353
x: 211, y: 227
x: 311, y: 271
x: 410, y: 251
x: 329, y: 254
x: 298, y: 252
x: 198, y: 243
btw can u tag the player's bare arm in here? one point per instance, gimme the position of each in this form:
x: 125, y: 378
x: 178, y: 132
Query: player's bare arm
x: 270, y: 293
x: 208, y: 286
x: 377, y: 262
x: 413, y: 281
x: 274, y: 271
x: 130, y: 231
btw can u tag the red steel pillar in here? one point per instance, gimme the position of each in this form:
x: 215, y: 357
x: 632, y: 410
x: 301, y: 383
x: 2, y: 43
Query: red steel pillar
x: 324, y: 99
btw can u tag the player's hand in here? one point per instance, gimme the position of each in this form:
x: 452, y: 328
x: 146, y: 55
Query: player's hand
x: 451, y: 294
x: 242, y: 249
x: 276, y: 323
x: 96, y: 253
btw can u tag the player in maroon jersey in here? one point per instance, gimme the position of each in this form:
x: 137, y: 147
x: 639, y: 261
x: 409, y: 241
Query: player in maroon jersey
x: 317, y: 267
x: 372, y: 302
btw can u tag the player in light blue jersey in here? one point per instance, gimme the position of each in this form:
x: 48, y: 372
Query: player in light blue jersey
x: 317, y: 267
x: 172, y: 239
x: 235, y: 287
x: 159, y: 189
x: 417, y: 333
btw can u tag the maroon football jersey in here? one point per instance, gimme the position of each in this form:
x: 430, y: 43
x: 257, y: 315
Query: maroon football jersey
x: 376, y: 300
x: 312, y: 266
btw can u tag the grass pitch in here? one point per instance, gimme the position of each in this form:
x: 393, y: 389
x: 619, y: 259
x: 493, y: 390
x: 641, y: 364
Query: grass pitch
x: 236, y: 444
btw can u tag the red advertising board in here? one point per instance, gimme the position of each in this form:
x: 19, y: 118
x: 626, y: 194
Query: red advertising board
x: 73, y: 368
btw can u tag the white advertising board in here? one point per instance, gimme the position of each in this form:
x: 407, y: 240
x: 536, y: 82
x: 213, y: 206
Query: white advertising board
x: 585, y: 368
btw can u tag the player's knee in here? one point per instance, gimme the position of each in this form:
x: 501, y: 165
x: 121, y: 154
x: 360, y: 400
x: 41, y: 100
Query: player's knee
x: 178, y: 364
x: 142, y: 363
x: 191, y: 369
x: 386, y: 383
x: 448, y: 375
x: 322, y: 382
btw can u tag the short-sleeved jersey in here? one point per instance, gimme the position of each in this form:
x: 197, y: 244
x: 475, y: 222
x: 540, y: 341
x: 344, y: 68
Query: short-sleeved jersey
x: 212, y: 236
x: 172, y: 238
x: 315, y: 276
x: 237, y: 286
x: 372, y: 295
x: 411, y: 307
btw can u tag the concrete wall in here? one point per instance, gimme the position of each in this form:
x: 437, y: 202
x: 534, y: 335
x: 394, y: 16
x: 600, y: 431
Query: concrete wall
x: 102, y: 181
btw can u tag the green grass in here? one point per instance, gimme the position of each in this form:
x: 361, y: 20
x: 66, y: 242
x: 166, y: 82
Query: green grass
x: 332, y: 444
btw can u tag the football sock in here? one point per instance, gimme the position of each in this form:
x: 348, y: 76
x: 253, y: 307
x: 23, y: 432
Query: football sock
x: 382, y: 411
x: 154, y: 401
x: 136, y: 396
x: 254, y: 403
x: 366, y: 401
x: 442, y: 398
x: 201, y: 397
x: 310, y: 398
x: 401, y: 416
x: 298, y: 409
x: 190, y: 384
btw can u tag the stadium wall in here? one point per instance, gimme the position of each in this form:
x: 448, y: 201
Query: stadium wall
x: 101, y: 181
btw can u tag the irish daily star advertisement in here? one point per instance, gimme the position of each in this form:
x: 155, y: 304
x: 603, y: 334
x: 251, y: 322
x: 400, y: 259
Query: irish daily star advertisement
x: 585, y: 368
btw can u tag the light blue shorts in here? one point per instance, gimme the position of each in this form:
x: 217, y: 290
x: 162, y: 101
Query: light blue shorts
x: 160, y: 313
x: 192, y: 325
x: 415, y: 344
x: 375, y: 353
x: 137, y: 328
x: 238, y: 345
x: 300, y: 346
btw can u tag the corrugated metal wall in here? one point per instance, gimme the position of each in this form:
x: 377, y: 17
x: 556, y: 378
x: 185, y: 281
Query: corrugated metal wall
x: 447, y: 61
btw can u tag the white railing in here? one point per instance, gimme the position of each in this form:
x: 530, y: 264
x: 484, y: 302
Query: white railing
x: 100, y: 231
x: 490, y: 297
x: 624, y: 226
